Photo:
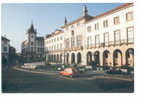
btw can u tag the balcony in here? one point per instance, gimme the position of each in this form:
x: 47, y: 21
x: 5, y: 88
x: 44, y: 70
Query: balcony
x: 111, y: 43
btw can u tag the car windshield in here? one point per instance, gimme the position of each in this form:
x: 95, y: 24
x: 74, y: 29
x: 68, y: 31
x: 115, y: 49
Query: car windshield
x: 68, y: 70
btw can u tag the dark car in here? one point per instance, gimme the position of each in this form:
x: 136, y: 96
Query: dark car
x: 106, y: 67
x: 81, y: 69
x: 114, y: 70
x: 127, y: 69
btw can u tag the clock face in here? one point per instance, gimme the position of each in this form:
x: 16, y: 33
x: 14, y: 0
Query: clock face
x: 32, y: 38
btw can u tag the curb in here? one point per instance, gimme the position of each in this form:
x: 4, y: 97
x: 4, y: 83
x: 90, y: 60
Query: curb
x: 35, y: 72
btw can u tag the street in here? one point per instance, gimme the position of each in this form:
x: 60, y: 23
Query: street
x: 14, y: 81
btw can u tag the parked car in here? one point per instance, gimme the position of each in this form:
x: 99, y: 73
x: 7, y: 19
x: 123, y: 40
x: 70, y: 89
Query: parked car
x: 81, y: 69
x: 126, y: 70
x: 114, y: 70
x: 88, y: 67
x: 71, y: 72
x: 106, y: 67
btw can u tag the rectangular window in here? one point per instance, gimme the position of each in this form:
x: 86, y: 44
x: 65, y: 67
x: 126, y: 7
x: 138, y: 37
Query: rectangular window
x: 60, y: 38
x: 106, y: 38
x: 129, y: 16
x: 87, y: 41
x: 60, y: 46
x: 90, y: 40
x: 97, y: 26
x: 97, y: 40
x: 117, y: 36
x: 78, y: 41
x: 5, y: 49
x: 105, y: 23
x: 116, y: 20
x: 72, y: 42
x: 89, y: 29
x: 54, y: 47
x: 57, y: 46
x: 38, y: 49
x: 67, y: 43
x: 130, y: 34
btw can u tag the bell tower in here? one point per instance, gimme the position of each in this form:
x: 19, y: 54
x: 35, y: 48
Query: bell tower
x: 85, y: 11
x: 65, y: 21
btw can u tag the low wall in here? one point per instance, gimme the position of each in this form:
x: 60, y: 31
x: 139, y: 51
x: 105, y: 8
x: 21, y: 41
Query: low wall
x: 32, y: 65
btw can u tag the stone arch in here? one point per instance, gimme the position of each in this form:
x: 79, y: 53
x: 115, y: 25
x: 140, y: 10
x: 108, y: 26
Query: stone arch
x: 72, y: 58
x: 60, y: 58
x: 106, y: 58
x: 57, y: 58
x: 89, y: 58
x: 54, y: 58
x: 130, y: 57
x: 51, y: 58
x: 97, y: 58
x: 79, y: 58
x: 117, y: 58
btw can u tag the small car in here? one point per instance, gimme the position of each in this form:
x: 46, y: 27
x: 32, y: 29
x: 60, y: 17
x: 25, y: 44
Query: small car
x: 127, y: 70
x: 88, y: 67
x: 81, y: 69
x: 114, y: 70
x: 69, y: 72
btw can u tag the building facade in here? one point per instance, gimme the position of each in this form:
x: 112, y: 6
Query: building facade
x: 106, y: 39
x: 5, y: 46
x: 54, y: 46
x: 33, y: 46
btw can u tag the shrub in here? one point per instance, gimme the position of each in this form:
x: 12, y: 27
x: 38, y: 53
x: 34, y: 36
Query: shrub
x: 46, y: 63
x: 65, y: 65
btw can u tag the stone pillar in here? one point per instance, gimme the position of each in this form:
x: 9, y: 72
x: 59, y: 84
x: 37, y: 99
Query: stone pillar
x: 123, y: 58
x: 111, y: 59
x: 84, y: 58
x: 93, y: 57
x: 119, y: 59
x: 131, y: 59
x: 63, y: 58
x: 75, y: 58
x: 101, y: 58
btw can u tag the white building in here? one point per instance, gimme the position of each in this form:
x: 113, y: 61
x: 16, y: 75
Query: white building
x: 54, y: 46
x: 106, y: 39
x: 5, y: 44
x: 110, y: 37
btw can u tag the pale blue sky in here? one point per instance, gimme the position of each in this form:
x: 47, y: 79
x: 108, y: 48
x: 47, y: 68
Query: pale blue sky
x: 47, y: 17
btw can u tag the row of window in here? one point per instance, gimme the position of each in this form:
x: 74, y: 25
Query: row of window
x: 37, y: 43
x: 117, y: 37
x: 55, y: 47
x: 54, y: 40
x: 34, y: 49
x: 72, y: 40
x: 5, y: 49
x: 73, y: 25
x: 116, y: 20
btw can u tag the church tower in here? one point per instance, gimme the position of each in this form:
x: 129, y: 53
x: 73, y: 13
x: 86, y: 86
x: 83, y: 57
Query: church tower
x: 65, y: 21
x: 85, y: 11
x: 31, y: 34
